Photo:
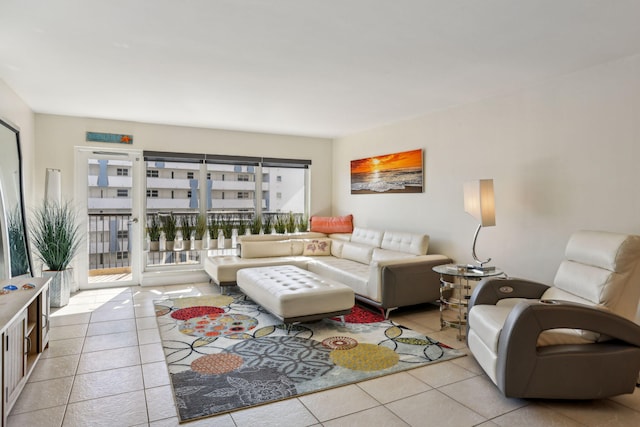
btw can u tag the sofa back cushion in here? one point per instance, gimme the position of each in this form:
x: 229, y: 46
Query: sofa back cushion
x: 357, y: 252
x: 266, y: 249
x: 413, y: 243
x: 367, y: 236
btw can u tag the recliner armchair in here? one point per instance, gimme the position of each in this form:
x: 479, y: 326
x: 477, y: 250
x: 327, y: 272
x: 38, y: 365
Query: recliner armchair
x: 574, y: 340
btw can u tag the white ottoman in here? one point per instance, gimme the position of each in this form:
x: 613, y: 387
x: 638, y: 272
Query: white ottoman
x: 294, y: 294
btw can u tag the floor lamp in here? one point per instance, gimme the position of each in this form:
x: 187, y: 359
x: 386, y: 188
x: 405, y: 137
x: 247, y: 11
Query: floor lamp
x: 479, y: 202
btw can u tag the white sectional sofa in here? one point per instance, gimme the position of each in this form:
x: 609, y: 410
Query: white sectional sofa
x: 386, y: 269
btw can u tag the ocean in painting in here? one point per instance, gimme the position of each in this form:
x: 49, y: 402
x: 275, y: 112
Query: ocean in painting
x: 406, y: 180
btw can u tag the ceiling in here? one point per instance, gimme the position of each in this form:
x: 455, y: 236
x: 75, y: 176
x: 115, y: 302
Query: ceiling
x: 305, y: 67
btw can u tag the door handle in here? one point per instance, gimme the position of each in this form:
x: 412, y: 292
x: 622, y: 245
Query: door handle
x: 133, y: 221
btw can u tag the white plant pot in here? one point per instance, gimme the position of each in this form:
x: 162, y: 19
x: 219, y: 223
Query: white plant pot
x: 60, y: 286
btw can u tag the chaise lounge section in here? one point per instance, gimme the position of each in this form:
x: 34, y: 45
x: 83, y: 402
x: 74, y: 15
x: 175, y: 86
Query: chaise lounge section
x: 385, y: 269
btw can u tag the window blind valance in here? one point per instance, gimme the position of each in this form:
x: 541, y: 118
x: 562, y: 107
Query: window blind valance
x: 167, y: 156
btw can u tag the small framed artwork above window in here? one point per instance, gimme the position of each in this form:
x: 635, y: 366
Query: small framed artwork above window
x: 390, y: 173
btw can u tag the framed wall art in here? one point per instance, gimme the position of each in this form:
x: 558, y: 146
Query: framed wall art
x: 389, y: 173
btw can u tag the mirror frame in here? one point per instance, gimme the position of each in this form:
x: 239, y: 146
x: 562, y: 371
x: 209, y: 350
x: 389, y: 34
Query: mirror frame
x: 7, y: 214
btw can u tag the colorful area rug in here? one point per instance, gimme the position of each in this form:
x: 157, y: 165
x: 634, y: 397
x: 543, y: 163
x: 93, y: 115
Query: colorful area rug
x: 226, y: 353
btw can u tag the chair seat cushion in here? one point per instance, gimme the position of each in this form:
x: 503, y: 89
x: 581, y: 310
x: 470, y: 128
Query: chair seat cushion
x: 487, y: 322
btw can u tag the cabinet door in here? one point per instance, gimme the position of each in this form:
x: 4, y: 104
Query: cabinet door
x: 44, y: 319
x: 15, y: 359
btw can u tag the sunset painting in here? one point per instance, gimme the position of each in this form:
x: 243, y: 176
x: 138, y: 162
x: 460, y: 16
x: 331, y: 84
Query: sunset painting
x: 390, y: 173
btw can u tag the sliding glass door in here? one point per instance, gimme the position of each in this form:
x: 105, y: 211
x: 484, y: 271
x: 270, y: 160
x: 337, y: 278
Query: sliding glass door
x: 108, y: 190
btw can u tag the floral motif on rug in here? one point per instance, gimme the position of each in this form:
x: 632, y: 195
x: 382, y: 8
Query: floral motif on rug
x: 226, y: 353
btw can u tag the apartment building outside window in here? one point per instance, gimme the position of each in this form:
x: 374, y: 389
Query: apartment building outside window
x: 122, y: 192
x: 122, y: 172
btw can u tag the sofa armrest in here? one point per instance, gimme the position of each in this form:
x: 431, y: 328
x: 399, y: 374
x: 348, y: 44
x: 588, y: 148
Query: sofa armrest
x: 492, y: 289
x: 411, y: 280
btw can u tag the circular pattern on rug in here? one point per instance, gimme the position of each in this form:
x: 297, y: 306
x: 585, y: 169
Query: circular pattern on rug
x: 299, y: 359
x: 339, y: 343
x: 161, y: 310
x: 215, y: 364
x: 365, y: 357
x: 197, y: 311
x: 217, y: 325
x: 214, y: 300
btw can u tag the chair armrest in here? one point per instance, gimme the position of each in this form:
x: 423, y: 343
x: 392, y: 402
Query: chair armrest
x: 492, y: 289
x: 525, y: 370
x: 529, y: 318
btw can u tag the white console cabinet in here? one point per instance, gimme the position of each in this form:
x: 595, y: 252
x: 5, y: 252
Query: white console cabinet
x: 24, y: 323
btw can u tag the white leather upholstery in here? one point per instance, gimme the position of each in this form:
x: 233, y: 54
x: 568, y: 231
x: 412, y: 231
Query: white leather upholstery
x: 357, y: 252
x: 290, y: 292
x: 356, y: 260
x: 412, y: 243
x: 601, y: 270
x: 265, y: 249
x: 367, y: 236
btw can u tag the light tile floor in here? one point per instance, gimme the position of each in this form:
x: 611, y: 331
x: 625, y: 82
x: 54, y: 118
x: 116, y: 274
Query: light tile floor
x: 105, y: 367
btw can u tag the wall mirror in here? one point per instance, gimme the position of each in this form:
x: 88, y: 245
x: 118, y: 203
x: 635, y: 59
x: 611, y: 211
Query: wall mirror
x: 14, y: 247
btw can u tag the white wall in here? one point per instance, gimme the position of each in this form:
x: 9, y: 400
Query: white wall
x: 16, y: 112
x: 564, y: 155
x: 57, y: 136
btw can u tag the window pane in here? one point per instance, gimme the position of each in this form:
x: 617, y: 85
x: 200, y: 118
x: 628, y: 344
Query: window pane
x: 284, y: 189
x: 233, y: 188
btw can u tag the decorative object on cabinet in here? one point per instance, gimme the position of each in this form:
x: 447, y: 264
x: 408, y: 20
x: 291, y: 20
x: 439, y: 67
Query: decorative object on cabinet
x: 479, y: 202
x: 56, y: 238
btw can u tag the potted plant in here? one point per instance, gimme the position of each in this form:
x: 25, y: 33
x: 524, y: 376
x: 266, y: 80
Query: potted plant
x: 170, y: 227
x: 186, y: 227
x: 291, y: 223
x: 267, y: 223
x: 154, y: 229
x: 200, y: 231
x: 214, y: 226
x: 280, y: 225
x: 255, y: 227
x: 56, y: 238
x: 303, y: 223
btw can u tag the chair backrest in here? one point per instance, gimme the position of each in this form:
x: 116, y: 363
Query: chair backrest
x: 602, y: 269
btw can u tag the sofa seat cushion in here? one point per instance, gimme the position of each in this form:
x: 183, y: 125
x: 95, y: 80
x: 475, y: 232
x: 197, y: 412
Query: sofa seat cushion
x: 223, y: 269
x: 351, y: 273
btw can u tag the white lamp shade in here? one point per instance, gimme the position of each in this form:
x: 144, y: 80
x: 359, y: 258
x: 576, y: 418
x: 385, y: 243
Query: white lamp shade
x: 479, y: 201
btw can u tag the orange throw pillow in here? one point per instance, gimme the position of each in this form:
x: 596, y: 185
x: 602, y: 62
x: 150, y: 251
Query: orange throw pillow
x: 332, y: 224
